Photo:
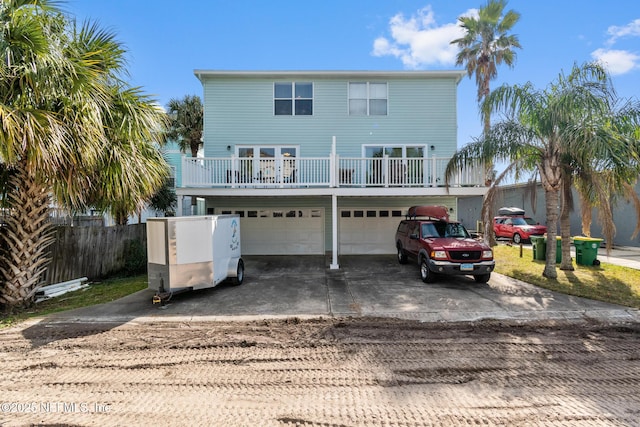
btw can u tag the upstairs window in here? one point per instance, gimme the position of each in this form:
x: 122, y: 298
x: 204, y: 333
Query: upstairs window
x: 293, y: 99
x: 367, y: 99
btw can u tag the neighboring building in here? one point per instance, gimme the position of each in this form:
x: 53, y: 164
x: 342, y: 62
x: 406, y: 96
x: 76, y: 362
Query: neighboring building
x: 325, y: 161
x: 520, y: 196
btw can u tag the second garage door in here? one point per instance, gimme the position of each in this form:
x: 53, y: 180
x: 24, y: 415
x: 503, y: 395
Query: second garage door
x: 368, y: 231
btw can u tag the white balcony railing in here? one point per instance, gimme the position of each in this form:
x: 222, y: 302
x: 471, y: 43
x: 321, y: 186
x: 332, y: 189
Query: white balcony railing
x: 333, y: 171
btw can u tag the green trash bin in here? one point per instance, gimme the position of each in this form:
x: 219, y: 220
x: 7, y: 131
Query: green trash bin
x: 587, y: 250
x: 539, y: 245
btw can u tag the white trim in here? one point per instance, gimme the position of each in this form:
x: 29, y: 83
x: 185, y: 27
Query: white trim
x: 320, y: 74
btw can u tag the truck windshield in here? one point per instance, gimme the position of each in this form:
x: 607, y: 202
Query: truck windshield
x: 442, y: 229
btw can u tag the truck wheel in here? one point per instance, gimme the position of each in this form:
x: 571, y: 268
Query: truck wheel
x: 237, y: 281
x: 402, y: 256
x: 482, y: 278
x: 426, y: 275
x: 517, y: 239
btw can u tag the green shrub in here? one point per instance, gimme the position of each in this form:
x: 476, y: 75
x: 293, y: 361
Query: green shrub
x: 135, y: 258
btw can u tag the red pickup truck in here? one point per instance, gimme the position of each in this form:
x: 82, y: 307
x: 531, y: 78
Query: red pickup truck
x: 441, y: 246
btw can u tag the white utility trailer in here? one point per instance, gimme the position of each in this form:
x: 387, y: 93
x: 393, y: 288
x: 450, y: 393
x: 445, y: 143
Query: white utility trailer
x: 192, y: 252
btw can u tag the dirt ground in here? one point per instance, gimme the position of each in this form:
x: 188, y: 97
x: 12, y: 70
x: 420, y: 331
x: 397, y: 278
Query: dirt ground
x: 321, y: 372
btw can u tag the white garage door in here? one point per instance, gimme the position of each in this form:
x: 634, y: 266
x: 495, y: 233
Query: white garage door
x: 369, y: 231
x: 282, y: 231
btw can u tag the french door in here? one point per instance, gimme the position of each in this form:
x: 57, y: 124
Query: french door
x: 268, y: 164
x: 394, y: 164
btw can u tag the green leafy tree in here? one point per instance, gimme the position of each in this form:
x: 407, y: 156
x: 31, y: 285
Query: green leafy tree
x: 571, y: 130
x: 74, y: 134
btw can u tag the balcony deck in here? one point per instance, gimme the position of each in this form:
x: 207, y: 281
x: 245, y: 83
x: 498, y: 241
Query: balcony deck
x: 322, y: 173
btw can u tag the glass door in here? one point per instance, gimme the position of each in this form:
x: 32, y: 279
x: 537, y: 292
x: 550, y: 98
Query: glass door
x: 268, y: 164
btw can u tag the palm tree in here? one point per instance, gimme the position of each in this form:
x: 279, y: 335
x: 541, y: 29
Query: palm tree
x: 550, y: 132
x: 185, y: 127
x: 128, y: 178
x: 486, y: 45
x: 65, y: 127
x: 164, y: 200
x: 607, y: 173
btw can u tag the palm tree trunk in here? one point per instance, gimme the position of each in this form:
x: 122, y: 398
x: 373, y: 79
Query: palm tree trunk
x: 565, y: 225
x: 551, y: 203
x: 24, y: 240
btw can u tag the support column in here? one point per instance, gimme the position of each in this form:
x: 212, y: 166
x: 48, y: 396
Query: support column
x: 334, y: 235
x: 179, y: 205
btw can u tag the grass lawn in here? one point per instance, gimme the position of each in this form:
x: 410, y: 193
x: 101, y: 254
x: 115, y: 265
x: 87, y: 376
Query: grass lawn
x: 607, y: 282
x: 96, y: 293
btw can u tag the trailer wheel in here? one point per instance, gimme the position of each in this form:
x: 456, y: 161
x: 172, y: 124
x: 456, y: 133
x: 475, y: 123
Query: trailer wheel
x: 239, y: 274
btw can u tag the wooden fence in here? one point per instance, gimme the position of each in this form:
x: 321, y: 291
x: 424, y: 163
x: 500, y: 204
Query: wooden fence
x: 93, y: 252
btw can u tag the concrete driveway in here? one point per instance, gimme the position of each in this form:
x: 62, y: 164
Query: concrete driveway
x: 374, y: 285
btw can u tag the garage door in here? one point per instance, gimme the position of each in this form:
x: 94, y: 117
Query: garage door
x: 368, y: 231
x: 282, y: 231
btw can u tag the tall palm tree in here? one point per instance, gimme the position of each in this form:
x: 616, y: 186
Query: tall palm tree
x: 550, y: 132
x: 187, y: 121
x: 486, y: 45
x: 63, y: 125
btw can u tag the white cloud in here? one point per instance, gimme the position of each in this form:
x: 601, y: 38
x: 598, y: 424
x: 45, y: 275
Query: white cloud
x: 419, y: 42
x: 617, y: 61
x: 631, y: 29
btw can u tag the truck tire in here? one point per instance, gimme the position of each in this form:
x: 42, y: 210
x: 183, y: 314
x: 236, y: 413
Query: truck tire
x: 426, y: 275
x: 482, y: 278
x: 237, y: 281
x: 402, y: 255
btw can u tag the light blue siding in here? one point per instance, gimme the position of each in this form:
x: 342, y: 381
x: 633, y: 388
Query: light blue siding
x: 173, y: 156
x: 239, y: 110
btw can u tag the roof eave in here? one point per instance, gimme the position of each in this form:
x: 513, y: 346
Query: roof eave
x: 456, y: 74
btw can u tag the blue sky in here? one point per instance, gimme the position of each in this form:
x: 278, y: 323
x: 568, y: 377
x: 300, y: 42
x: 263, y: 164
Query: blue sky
x: 167, y: 40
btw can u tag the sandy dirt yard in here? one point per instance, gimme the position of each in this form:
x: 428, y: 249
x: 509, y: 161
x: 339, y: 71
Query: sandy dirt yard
x: 322, y: 372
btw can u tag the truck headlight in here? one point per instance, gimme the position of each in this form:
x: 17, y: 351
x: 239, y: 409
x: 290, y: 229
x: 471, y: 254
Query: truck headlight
x: 439, y: 254
x: 487, y: 254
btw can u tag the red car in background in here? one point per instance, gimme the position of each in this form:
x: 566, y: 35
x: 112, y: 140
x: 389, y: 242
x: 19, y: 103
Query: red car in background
x: 516, y: 226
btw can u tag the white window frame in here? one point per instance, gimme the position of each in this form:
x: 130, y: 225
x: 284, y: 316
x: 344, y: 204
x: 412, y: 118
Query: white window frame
x: 368, y: 98
x: 293, y: 98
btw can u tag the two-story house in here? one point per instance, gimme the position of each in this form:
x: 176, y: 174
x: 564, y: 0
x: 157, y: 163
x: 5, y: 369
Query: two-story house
x: 326, y: 161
